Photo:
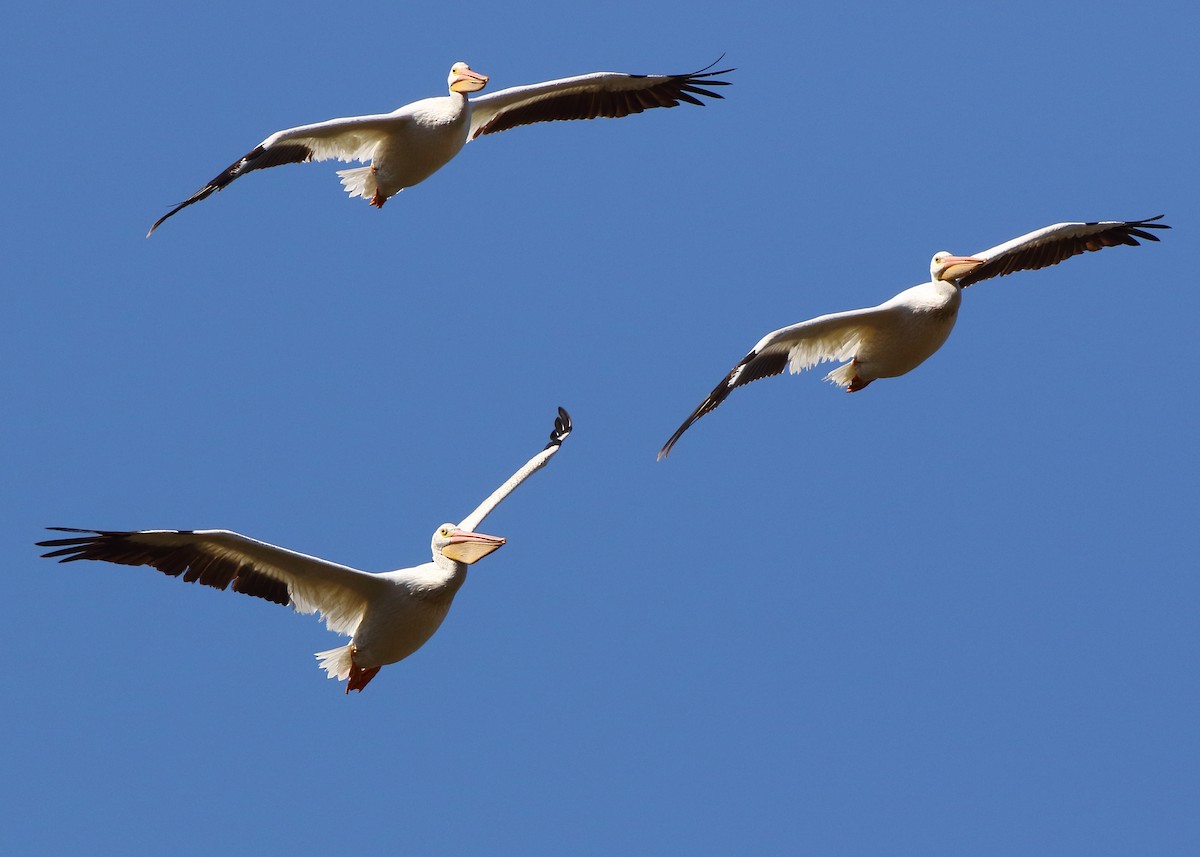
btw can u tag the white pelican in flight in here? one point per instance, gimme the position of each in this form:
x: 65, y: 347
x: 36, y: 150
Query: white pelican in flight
x: 902, y: 333
x: 410, y: 144
x: 388, y: 615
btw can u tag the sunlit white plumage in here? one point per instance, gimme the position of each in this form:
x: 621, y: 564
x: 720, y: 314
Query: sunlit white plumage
x: 410, y: 144
x: 899, y: 334
x: 388, y: 615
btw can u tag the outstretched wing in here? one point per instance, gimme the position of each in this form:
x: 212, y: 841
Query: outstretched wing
x: 1052, y: 244
x: 221, y: 559
x: 350, y: 139
x: 836, y: 336
x: 588, y: 96
x: 562, y: 428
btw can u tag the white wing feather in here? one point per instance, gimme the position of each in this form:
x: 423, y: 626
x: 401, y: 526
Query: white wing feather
x: 353, y: 138
x: 562, y: 428
x: 836, y: 336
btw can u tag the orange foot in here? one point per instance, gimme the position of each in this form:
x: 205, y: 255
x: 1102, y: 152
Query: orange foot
x: 378, y: 200
x: 359, y: 677
x: 857, y: 384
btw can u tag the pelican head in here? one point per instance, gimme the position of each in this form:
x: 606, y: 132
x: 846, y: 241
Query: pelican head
x: 462, y: 546
x: 947, y: 266
x: 462, y: 79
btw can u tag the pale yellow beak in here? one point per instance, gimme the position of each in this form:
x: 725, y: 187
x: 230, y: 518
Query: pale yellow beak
x: 469, y: 547
x: 468, y: 81
x: 954, y: 267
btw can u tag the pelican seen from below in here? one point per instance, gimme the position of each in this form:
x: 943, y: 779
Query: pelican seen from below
x: 898, y: 335
x: 387, y: 615
x: 408, y: 145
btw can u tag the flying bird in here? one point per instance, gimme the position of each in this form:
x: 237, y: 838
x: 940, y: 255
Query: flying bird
x: 387, y: 615
x: 410, y: 144
x: 900, y: 334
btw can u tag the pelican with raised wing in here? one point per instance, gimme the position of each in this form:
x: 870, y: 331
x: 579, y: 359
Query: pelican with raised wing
x: 410, y: 144
x: 387, y: 615
x: 902, y: 333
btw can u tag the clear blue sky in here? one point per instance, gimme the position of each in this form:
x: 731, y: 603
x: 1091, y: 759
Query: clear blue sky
x: 952, y: 614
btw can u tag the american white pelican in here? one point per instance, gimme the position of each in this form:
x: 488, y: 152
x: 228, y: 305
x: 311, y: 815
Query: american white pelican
x: 410, y: 144
x: 388, y: 615
x: 901, y: 333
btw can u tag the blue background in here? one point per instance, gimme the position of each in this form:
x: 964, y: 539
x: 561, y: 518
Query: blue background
x: 952, y: 614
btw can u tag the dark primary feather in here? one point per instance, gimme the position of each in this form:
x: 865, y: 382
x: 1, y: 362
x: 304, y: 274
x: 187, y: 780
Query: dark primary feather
x: 258, y: 159
x: 562, y: 428
x: 591, y: 105
x: 1054, y: 250
x: 191, y: 562
x: 753, y: 367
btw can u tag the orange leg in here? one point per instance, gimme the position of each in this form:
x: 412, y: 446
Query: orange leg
x: 379, y: 199
x: 359, y: 677
x: 856, y: 383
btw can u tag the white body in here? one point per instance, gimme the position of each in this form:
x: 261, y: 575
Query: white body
x: 413, y: 143
x: 408, y: 145
x: 883, y: 341
x: 399, y: 618
x: 387, y: 615
x: 901, y: 333
x: 912, y: 326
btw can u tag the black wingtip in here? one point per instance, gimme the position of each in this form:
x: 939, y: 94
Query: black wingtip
x: 562, y: 428
x: 753, y: 367
x: 713, y: 63
x: 714, y: 398
x: 707, y: 405
x: 68, y: 548
x: 1137, y: 229
x: 50, y: 543
x: 169, y: 214
x: 704, y: 72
